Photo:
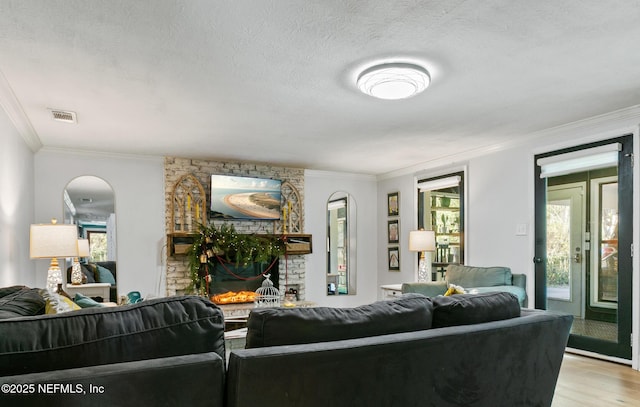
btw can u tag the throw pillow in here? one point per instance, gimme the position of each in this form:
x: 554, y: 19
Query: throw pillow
x: 4, y: 291
x: 466, y: 309
x: 288, y: 326
x: 92, y: 270
x: 104, y: 275
x: 57, y: 304
x: 21, y: 302
x: 89, y: 273
x: 454, y: 289
x: 86, y: 302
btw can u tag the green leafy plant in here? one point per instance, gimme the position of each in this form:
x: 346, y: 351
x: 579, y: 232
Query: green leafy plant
x: 214, y: 244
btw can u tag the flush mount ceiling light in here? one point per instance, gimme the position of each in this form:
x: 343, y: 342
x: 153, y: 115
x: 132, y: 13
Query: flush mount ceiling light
x: 393, y: 80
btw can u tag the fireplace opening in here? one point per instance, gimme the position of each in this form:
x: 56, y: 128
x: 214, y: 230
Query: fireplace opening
x: 235, y: 284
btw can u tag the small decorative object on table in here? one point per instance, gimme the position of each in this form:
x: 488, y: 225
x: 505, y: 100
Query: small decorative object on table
x: 267, y: 295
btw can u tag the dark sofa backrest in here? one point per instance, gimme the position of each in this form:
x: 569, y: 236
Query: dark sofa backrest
x: 150, y: 329
x: 512, y: 362
x: 285, y: 326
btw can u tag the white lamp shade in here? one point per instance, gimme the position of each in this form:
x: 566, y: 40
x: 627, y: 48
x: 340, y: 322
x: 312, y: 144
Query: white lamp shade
x: 83, y: 248
x: 422, y: 241
x: 52, y: 240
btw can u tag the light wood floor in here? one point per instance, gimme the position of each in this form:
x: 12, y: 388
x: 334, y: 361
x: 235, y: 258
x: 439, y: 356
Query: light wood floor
x: 590, y: 382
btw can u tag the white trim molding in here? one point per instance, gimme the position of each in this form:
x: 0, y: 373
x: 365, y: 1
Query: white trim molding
x: 16, y: 114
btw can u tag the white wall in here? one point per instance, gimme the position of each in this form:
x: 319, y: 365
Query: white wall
x: 407, y: 217
x: 318, y: 187
x: 500, y: 196
x: 138, y: 184
x: 16, y: 206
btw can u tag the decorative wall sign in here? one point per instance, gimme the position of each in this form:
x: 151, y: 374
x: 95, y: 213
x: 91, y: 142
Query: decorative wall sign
x: 393, y: 231
x: 394, y: 259
x: 188, y: 205
x: 393, y: 204
x: 291, y: 220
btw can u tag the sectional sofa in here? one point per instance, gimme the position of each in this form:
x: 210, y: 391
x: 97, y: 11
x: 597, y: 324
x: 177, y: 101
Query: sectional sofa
x: 471, y: 350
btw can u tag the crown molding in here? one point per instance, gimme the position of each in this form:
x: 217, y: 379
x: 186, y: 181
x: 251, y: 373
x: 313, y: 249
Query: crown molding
x: 339, y: 175
x: 627, y: 118
x: 16, y: 114
x: 92, y: 153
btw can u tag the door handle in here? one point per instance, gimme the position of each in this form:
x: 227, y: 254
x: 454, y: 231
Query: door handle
x: 537, y: 260
x: 577, y: 258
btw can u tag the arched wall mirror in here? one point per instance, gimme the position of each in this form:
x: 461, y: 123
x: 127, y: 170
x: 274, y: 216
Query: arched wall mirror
x: 89, y: 203
x: 341, y: 244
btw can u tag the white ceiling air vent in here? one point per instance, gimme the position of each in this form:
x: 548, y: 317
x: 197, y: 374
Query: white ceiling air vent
x: 64, y: 116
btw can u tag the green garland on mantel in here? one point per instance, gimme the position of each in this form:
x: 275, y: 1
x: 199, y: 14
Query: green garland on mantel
x: 226, y: 243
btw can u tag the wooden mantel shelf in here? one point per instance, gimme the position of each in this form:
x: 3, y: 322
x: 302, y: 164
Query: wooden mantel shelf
x: 179, y: 243
x: 298, y: 243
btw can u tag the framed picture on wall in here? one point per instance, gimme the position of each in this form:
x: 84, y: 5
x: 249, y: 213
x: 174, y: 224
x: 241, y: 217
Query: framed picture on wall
x: 393, y: 204
x: 393, y: 231
x: 394, y: 259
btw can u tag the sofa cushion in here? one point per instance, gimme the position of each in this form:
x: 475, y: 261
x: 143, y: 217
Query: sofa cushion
x: 466, y: 309
x: 4, y: 291
x: 57, y: 304
x: 22, y: 301
x: 513, y: 289
x: 288, y: 326
x: 104, y: 275
x: 89, y: 273
x: 150, y: 329
x: 467, y: 276
x: 86, y: 302
x: 429, y: 289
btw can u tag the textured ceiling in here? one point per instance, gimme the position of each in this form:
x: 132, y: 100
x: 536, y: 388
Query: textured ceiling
x: 273, y: 80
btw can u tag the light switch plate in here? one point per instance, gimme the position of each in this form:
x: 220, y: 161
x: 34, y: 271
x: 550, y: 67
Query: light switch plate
x: 521, y: 229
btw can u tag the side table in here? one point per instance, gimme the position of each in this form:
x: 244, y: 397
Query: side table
x: 90, y: 290
x: 390, y: 291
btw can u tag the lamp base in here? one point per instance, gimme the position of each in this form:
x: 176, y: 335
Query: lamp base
x: 54, y: 275
x: 423, y: 274
x: 76, y: 272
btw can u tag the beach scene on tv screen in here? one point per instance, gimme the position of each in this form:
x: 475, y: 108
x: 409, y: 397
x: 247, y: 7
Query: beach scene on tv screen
x: 235, y: 197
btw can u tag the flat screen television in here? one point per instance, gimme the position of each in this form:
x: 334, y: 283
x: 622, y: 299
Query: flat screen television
x: 234, y: 197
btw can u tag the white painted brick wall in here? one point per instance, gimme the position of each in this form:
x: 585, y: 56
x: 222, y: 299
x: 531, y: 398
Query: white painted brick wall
x: 292, y: 271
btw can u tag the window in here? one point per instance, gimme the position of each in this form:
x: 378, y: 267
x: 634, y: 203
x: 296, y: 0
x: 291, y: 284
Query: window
x: 97, y: 245
x: 441, y: 209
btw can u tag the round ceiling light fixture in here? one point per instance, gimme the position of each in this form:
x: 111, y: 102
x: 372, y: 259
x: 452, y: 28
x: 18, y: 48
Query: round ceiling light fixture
x: 393, y: 80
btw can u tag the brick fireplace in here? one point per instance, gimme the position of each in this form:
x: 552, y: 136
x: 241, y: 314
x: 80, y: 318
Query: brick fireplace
x: 291, y: 269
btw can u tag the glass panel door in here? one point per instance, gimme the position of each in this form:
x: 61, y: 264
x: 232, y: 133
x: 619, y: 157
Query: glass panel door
x: 604, y: 284
x: 587, y: 273
x: 565, y: 266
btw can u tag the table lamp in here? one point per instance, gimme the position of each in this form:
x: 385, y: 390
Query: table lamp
x: 422, y: 241
x: 50, y: 241
x: 76, y: 270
